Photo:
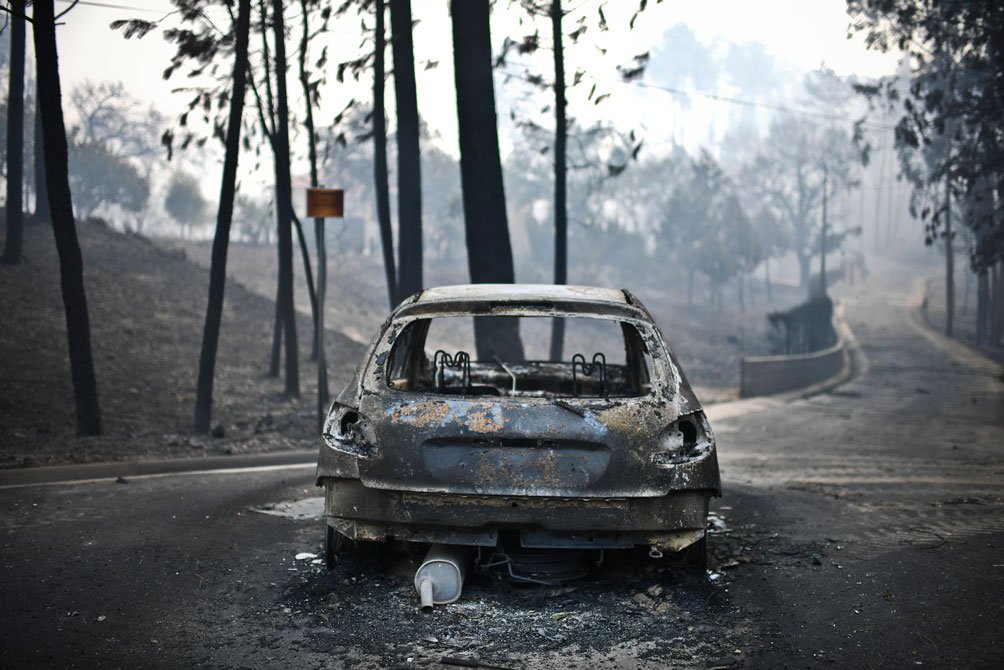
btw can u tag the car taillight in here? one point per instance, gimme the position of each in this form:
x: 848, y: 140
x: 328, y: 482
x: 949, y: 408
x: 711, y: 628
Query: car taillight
x: 685, y: 436
x: 345, y: 429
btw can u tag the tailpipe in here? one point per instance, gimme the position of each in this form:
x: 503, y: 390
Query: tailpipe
x: 440, y: 578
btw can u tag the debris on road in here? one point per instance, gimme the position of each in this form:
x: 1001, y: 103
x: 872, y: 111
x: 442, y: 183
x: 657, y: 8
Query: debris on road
x: 959, y: 501
x: 472, y: 662
x: 307, y: 508
x: 370, y: 592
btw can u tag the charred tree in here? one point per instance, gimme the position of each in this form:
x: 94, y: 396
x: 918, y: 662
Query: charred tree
x: 949, y: 261
x: 560, y: 176
x: 822, y: 237
x: 275, y: 357
x: 766, y: 279
x: 997, y: 304
x: 308, y: 275
x: 71, y: 266
x: 268, y: 124
x: 982, y: 306
x: 41, y: 191
x: 284, y: 205
x: 309, y: 93
x: 267, y: 117
x: 268, y: 127
x: 489, y: 252
x: 316, y: 348
x: 380, y: 156
x: 15, y: 138
x: 218, y: 264
x: 409, y: 171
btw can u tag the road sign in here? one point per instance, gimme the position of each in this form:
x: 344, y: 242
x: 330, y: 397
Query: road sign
x: 325, y: 202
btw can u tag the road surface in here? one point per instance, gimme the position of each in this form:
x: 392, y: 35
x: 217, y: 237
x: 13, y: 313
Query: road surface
x: 858, y: 528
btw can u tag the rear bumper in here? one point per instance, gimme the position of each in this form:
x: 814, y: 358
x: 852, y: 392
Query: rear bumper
x: 669, y: 522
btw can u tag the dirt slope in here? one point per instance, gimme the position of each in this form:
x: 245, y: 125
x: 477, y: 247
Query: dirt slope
x: 147, y: 307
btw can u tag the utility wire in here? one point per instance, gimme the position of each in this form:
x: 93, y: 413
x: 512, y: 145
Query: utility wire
x: 106, y: 5
x: 761, y: 105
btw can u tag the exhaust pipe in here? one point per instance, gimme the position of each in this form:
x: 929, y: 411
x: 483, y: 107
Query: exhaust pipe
x: 440, y: 578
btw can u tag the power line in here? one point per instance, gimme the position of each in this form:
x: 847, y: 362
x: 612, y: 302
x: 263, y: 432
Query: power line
x: 106, y: 5
x: 761, y: 105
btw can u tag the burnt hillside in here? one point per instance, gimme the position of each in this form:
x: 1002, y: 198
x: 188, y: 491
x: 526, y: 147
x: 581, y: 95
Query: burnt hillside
x: 147, y: 307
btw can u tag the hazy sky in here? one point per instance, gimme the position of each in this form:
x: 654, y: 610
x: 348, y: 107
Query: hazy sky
x: 797, y: 35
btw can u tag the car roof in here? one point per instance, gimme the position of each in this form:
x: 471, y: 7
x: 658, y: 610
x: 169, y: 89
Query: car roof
x: 520, y: 293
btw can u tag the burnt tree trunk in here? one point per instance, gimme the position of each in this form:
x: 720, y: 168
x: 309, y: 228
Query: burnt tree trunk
x: 982, y: 306
x: 308, y: 275
x: 41, y: 190
x: 965, y: 292
x: 71, y: 266
x: 15, y: 138
x: 560, y: 181
x: 380, y: 157
x: 317, y: 348
x: 322, y: 268
x: 949, y: 262
x: 489, y: 253
x: 268, y: 124
x: 997, y: 305
x: 304, y: 254
x: 284, y: 205
x: 766, y: 279
x: 878, y: 199
x: 409, y: 169
x: 275, y: 357
x: 822, y: 237
x: 224, y: 216
x: 805, y: 270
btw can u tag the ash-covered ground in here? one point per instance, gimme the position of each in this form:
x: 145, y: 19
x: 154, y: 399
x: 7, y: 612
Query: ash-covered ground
x: 630, y: 611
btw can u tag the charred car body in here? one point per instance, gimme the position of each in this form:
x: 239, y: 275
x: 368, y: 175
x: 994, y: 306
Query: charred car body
x: 432, y: 443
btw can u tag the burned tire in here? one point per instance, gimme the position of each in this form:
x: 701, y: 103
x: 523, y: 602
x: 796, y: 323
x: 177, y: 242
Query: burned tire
x: 332, y: 542
x: 696, y: 555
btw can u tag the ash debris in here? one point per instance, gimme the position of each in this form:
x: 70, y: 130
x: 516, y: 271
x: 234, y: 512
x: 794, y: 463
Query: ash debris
x: 629, y: 608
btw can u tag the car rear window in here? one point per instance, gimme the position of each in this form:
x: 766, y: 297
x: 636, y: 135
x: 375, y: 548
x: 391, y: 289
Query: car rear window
x: 600, y: 357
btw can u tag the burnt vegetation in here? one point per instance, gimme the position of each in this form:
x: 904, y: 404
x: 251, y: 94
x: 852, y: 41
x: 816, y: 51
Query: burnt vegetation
x: 579, y: 195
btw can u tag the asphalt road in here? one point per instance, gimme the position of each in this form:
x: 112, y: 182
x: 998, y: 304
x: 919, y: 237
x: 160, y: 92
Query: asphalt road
x: 859, y: 528
x: 894, y: 484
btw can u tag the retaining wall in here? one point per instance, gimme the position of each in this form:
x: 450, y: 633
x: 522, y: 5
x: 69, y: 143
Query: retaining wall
x: 767, y: 375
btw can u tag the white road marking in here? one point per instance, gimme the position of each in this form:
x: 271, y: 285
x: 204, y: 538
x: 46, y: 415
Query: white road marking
x: 159, y: 475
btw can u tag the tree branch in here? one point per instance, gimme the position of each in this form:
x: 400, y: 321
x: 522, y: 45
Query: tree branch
x: 67, y: 10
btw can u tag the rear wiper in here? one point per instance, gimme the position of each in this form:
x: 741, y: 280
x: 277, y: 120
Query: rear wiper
x: 508, y: 371
x: 570, y: 407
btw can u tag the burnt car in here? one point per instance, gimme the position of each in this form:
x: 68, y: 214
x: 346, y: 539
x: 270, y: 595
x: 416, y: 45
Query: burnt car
x: 459, y: 429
